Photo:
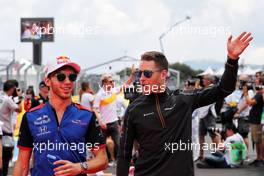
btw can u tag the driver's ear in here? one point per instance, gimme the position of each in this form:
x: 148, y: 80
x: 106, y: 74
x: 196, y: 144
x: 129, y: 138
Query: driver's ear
x: 164, y: 74
x: 47, y: 81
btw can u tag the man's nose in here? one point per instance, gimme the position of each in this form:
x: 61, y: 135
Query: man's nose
x: 67, y: 80
x: 142, y: 80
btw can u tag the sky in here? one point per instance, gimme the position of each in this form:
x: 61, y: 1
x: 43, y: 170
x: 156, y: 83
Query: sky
x: 96, y: 31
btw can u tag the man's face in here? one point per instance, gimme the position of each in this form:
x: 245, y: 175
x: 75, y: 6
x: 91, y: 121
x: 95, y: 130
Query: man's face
x: 229, y: 132
x: 258, y: 75
x: 257, y: 80
x: 59, y: 87
x: 154, y: 83
x: 11, y: 91
x: 262, y: 90
x: 206, y: 82
x: 109, y: 83
x: 44, y: 90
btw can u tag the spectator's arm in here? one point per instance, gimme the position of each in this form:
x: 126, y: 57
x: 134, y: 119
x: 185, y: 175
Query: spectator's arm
x: 19, y: 109
x: 13, y: 106
x: 242, y: 108
x: 250, y: 101
x: 96, y: 103
x: 96, y: 108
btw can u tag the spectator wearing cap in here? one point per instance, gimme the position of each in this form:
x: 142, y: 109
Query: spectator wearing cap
x: 43, y: 95
x: 69, y: 126
x: 35, y: 101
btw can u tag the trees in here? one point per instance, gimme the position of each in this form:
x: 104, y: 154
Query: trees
x: 185, y: 70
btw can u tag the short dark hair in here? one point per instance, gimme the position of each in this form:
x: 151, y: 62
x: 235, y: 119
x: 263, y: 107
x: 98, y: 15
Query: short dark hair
x: 31, y: 92
x: 231, y: 126
x: 158, y: 57
x: 9, y: 84
x: 85, y: 85
x: 15, y: 82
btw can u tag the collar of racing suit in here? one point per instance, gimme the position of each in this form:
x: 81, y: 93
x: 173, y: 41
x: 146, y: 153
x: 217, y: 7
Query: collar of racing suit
x: 159, y: 98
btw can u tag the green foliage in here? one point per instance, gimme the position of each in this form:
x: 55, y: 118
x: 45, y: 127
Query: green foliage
x: 124, y: 72
x: 185, y: 70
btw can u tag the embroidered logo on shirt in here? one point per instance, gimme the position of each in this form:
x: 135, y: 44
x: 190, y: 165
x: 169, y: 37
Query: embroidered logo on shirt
x: 148, y: 114
x: 78, y: 122
x: 42, y: 120
x: 170, y: 108
x: 43, y: 130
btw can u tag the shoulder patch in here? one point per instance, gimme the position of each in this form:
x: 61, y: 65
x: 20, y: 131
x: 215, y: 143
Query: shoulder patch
x: 79, y: 106
x: 37, y: 107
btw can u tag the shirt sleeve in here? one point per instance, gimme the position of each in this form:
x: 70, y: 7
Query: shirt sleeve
x: 25, y: 140
x: 250, y: 93
x: 90, y: 97
x: 87, y: 97
x: 94, y: 134
x: 12, y: 105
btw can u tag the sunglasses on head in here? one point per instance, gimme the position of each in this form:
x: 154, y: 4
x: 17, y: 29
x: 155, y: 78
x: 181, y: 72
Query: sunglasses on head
x: 62, y: 76
x: 146, y: 73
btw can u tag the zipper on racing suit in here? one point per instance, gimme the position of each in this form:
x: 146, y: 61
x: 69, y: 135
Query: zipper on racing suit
x: 161, y: 117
